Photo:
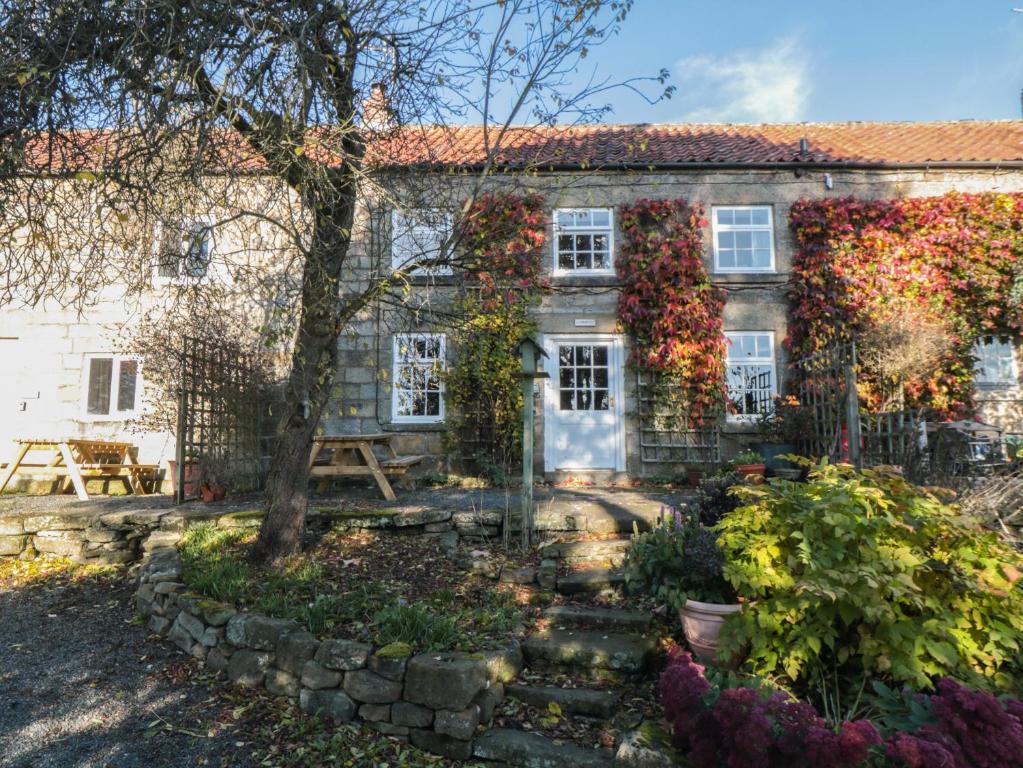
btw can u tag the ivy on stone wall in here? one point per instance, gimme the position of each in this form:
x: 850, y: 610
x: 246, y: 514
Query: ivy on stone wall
x: 957, y: 258
x: 503, y: 239
x: 670, y: 308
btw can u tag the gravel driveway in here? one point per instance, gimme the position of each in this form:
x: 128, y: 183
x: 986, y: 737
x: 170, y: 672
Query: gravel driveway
x: 81, y: 686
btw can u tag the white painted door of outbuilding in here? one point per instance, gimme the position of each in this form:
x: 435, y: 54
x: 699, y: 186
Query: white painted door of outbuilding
x: 583, y: 405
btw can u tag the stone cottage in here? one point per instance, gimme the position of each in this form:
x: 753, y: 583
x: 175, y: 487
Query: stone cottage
x: 746, y: 178
x: 66, y: 373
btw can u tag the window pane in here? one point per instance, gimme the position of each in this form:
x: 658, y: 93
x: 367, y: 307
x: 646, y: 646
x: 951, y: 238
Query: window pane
x: 101, y: 371
x: 126, y: 383
x: 567, y: 400
x: 601, y: 218
x: 744, y: 259
x: 197, y: 252
x: 601, y: 401
x: 760, y: 216
x: 743, y: 239
x: 726, y: 259
x: 743, y: 217
x: 433, y: 404
x: 761, y: 258
x: 725, y: 216
x: 600, y: 355
x: 762, y: 239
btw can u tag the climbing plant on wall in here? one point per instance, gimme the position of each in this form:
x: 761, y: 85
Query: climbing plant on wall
x: 669, y: 307
x: 503, y: 238
x: 957, y: 258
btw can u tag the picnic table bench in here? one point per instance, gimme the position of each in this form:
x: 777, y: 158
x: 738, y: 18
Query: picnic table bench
x: 354, y: 457
x: 78, y: 460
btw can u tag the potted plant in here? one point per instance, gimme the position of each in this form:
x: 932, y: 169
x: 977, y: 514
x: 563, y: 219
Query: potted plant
x: 750, y: 465
x: 212, y: 479
x: 695, y: 473
x: 191, y: 470
x: 780, y: 430
x: 678, y: 562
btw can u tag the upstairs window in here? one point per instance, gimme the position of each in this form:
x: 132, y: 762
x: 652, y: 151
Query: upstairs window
x: 184, y: 253
x: 583, y: 241
x: 996, y: 364
x: 112, y: 387
x: 419, y: 236
x: 743, y: 238
x: 418, y: 394
x: 750, y: 374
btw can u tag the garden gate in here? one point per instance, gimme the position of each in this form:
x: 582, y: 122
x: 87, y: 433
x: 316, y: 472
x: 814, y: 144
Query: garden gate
x: 220, y: 416
x: 827, y: 388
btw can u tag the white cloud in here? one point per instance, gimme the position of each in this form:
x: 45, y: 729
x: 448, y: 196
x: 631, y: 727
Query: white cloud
x: 765, y: 86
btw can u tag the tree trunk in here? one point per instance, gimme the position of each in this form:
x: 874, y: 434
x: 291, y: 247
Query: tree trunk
x: 313, y: 366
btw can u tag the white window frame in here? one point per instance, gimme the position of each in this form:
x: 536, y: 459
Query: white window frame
x: 609, y: 230
x: 204, y: 222
x: 397, y: 361
x: 412, y: 219
x: 717, y: 229
x: 744, y: 418
x: 1013, y: 381
x: 115, y: 385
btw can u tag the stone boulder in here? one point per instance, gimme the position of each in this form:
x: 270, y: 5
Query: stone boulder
x: 444, y: 680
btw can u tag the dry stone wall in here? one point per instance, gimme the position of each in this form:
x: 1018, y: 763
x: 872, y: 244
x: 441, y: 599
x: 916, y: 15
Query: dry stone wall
x: 437, y: 701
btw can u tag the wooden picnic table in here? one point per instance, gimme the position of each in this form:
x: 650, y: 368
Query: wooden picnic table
x: 78, y: 460
x: 354, y: 457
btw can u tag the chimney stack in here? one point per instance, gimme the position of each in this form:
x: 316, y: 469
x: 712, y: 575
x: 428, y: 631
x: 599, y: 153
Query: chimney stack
x: 377, y: 114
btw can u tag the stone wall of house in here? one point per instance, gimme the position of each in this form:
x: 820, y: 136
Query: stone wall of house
x: 754, y: 301
x: 435, y: 700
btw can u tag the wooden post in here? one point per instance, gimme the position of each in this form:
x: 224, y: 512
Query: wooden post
x: 179, y: 450
x: 528, y: 352
x: 853, y: 430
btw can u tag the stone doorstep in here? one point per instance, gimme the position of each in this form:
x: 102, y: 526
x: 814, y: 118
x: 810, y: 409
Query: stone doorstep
x: 586, y: 617
x: 614, y: 651
x: 573, y: 701
x: 521, y: 748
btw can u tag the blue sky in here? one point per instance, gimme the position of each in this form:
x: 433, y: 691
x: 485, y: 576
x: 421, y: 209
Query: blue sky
x: 784, y: 60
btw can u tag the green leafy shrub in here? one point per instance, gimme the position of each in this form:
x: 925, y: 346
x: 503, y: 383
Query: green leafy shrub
x: 865, y: 573
x: 677, y: 560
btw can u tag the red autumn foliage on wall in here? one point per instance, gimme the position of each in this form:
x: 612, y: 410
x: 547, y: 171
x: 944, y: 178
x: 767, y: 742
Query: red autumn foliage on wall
x: 503, y: 237
x: 667, y: 303
x: 958, y: 257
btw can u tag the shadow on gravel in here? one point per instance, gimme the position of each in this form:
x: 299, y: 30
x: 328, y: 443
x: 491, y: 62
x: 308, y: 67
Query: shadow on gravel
x: 80, y: 686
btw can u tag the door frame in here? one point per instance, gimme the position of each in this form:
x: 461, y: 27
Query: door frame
x: 616, y: 365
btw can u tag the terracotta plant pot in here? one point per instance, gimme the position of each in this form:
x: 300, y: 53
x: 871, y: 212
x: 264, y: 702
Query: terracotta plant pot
x: 701, y: 623
x: 212, y: 493
x: 752, y: 472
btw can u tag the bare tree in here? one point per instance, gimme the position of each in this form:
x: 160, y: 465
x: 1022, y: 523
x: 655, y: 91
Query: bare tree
x: 146, y: 110
x: 906, y: 343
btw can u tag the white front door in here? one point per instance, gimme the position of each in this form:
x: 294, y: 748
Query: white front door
x: 583, y: 405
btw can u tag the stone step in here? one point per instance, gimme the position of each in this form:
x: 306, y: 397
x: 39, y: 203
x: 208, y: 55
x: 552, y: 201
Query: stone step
x: 613, y: 651
x: 584, y: 617
x: 607, y: 550
x: 533, y: 750
x: 572, y: 701
x: 590, y: 580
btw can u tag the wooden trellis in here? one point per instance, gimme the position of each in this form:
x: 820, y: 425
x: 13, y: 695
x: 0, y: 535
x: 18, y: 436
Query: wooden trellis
x: 219, y: 414
x: 665, y: 435
x: 827, y: 388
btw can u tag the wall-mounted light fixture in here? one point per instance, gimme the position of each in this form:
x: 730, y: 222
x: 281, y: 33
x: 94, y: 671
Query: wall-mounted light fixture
x: 829, y: 183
